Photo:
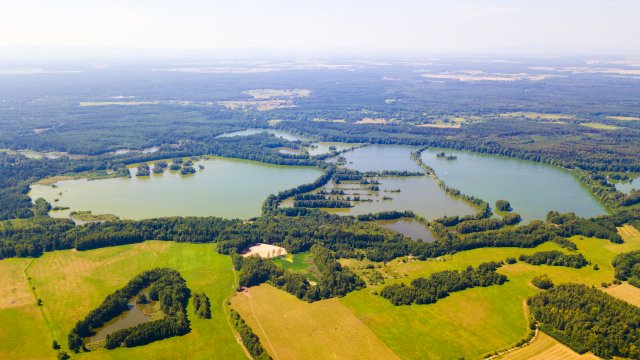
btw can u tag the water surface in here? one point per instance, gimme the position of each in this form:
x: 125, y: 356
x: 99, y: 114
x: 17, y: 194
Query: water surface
x: 382, y: 157
x: 132, y: 317
x: 410, y: 228
x: 420, y: 194
x: 532, y: 188
x: 226, y: 187
x: 626, y: 187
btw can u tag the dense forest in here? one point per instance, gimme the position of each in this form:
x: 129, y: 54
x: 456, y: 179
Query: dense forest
x: 165, y: 286
x: 587, y: 319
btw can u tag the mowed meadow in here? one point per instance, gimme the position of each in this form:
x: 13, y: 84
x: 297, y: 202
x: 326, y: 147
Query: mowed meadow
x: 72, y: 283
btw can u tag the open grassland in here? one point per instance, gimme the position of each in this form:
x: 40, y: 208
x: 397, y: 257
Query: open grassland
x: 295, y: 262
x: 544, y: 347
x: 477, y: 321
x: 72, y: 283
x: 600, y: 126
x: 624, y: 118
x: 25, y: 334
x: 293, y: 329
x: 626, y: 292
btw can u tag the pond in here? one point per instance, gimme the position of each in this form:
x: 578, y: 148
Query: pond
x: 227, y: 188
x: 133, y: 316
x: 627, y: 186
x: 410, y: 228
x: 532, y: 188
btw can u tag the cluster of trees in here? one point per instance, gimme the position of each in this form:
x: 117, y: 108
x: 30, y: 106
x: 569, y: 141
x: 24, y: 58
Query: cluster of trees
x: 319, y: 201
x: 627, y: 267
x: 587, y: 319
x: 143, y: 170
x: 273, y: 201
x: 555, y: 258
x: 202, y: 305
x: 332, y: 280
x: 386, y: 215
x: 249, y: 339
x: 503, y: 205
x: 440, y: 284
x: 165, y: 286
x: 606, y: 191
x: 601, y: 227
x: 543, y: 282
x: 471, y: 226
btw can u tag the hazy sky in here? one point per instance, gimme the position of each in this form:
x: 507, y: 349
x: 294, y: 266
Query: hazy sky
x: 425, y: 25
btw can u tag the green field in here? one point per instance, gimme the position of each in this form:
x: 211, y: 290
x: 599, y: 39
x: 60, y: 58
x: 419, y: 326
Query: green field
x: 477, y: 321
x: 299, y: 262
x: 469, y: 324
x: 72, y: 283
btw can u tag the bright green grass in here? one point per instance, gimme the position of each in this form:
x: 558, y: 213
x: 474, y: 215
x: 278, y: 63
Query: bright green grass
x: 300, y: 262
x: 295, y: 262
x: 473, y: 322
x: 72, y: 283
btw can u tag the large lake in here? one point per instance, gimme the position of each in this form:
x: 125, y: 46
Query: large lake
x: 226, y: 187
x: 532, y: 188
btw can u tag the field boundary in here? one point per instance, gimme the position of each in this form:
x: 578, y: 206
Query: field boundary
x: 32, y: 288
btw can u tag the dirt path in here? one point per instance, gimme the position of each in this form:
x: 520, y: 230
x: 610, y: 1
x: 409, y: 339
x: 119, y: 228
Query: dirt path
x: 266, y: 337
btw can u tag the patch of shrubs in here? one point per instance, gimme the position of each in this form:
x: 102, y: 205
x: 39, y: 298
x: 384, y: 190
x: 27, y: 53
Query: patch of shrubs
x: 555, y: 258
x: 542, y: 282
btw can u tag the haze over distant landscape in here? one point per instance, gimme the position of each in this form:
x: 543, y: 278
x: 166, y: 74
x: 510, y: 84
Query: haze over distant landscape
x: 408, y: 26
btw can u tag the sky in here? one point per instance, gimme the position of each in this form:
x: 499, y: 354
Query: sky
x: 419, y: 26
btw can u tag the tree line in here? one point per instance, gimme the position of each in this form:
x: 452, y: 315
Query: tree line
x: 249, y: 339
x: 440, y: 284
x: 555, y: 258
